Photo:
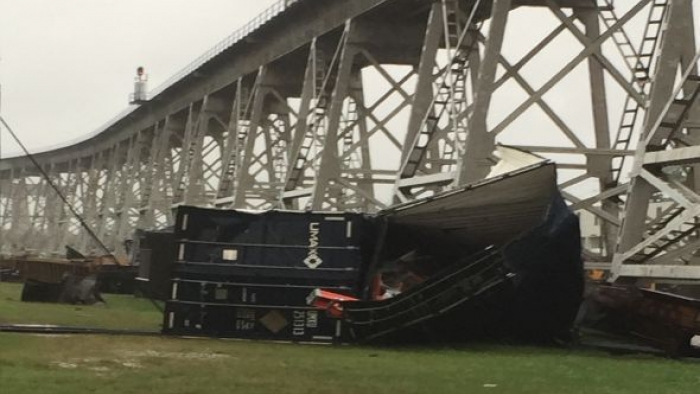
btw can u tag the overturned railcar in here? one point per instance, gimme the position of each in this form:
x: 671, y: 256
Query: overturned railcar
x: 247, y: 274
x: 498, y: 258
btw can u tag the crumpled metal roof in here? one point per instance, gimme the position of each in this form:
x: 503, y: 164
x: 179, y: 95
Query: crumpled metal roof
x: 490, y: 211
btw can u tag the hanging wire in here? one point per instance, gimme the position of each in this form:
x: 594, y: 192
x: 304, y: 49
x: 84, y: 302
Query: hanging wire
x: 68, y: 204
x: 58, y: 191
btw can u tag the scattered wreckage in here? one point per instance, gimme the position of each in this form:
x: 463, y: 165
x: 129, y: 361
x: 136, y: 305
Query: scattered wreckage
x: 498, y: 258
x: 668, y: 322
x: 75, y: 279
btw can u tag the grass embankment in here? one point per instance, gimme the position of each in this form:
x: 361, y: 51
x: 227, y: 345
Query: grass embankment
x: 112, y: 364
x: 120, y: 311
x: 87, y: 364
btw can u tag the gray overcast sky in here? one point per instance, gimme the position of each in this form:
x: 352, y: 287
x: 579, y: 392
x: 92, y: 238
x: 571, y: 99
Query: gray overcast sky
x: 67, y: 66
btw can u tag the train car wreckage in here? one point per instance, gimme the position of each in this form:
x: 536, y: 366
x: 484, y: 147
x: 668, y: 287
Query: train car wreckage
x: 498, y: 258
x: 73, y: 279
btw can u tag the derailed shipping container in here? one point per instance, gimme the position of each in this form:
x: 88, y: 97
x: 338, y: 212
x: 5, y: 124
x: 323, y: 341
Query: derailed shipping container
x: 497, y: 258
x: 247, y: 274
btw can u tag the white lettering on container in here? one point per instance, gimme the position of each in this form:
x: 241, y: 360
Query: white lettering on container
x: 299, y: 323
x: 313, y: 260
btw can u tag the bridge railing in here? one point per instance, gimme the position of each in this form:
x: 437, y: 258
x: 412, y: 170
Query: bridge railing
x: 262, y: 18
x: 271, y: 12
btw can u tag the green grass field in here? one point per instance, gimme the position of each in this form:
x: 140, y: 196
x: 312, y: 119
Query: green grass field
x: 92, y: 364
x: 114, y: 364
x: 120, y: 311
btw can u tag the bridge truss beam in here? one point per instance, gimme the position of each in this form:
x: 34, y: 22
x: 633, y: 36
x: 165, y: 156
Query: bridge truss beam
x: 358, y: 105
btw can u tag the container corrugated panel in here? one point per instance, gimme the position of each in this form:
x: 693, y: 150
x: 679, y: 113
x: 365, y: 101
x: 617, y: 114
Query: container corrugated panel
x: 240, y: 321
x: 268, y: 244
x: 232, y: 261
x: 244, y: 293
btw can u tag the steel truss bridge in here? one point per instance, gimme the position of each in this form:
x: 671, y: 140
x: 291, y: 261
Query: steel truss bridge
x: 356, y: 105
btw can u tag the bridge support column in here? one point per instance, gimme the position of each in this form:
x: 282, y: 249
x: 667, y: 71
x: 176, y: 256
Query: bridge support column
x: 232, y: 145
x: 20, y: 210
x: 108, y: 214
x: 126, y: 206
x: 195, y: 188
x: 94, y: 174
x: 246, y: 182
x: 5, y: 210
x: 53, y: 208
x: 363, y: 198
x: 37, y: 209
x: 328, y: 172
x: 664, y: 246
x: 189, y: 170
x: 478, y: 149
x: 422, y: 99
x: 303, y: 131
x: 146, y: 210
x: 265, y: 159
x: 423, y: 116
x: 600, y: 166
x: 66, y: 224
